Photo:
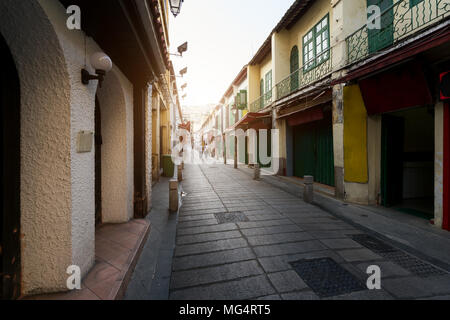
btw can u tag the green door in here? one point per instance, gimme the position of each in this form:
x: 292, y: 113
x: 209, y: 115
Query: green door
x: 384, y: 37
x: 304, y: 150
x: 313, y: 151
x: 392, y: 136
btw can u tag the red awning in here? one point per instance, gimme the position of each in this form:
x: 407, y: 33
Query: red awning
x: 253, y: 120
x: 396, y: 89
x: 304, y: 116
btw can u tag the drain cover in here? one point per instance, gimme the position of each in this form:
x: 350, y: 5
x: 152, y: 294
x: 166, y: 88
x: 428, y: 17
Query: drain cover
x: 404, y: 260
x: 228, y: 217
x: 326, y: 277
x: 372, y: 243
x: 414, y: 265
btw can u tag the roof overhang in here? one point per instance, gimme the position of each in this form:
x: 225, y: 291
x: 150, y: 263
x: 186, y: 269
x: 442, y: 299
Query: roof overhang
x: 253, y: 120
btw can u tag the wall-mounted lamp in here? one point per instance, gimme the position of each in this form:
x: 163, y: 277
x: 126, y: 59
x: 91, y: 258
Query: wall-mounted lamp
x: 175, y: 6
x: 181, y: 49
x: 102, y: 64
x: 183, y: 71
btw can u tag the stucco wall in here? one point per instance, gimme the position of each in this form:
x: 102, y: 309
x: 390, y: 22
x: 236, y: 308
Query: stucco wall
x: 116, y: 105
x: 45, y: 144
x: 265, y: 67
x: 57, y: 183
x: 82, y: 107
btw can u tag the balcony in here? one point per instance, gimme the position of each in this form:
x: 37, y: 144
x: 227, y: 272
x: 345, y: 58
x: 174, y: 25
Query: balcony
x: 305, y: 75
x: 403, y: 18
x: 262, y: 102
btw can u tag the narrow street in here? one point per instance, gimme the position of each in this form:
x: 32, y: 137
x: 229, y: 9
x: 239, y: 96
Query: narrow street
x: 243, y: 239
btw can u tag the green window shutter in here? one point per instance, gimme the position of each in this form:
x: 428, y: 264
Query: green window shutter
x: 413, y: 3
x: 244, y: 98
x: 294, y: 65
x: 269, y: 84
x: 238, y: 100
x: 294, y: 59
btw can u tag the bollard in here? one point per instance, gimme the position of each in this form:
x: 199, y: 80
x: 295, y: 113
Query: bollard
x: 173, y: 195
x: 256, y: 172
x: 180, y: 173
x: 308, y: 192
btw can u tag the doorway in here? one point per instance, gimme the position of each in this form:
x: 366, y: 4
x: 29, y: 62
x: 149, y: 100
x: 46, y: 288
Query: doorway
x: 10, y: 268
x: 407, y: 161
x: 98, y: 163
x: 313, y: 150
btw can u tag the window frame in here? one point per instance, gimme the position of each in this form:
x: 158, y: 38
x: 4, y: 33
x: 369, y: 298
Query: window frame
x: 313, y: 63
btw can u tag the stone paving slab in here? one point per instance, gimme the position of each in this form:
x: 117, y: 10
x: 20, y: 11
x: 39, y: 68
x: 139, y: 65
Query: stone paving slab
x: 221, y: 273
x: 287, y: 281
x: 214, y: 258
x: 208, y: 229
x: 212, y: 246
x: 199, y: 223
x: 289, y: 248
x: 242, y: 289
x: 278, y: 238
x: 270, y: 230
x: 206, y: 237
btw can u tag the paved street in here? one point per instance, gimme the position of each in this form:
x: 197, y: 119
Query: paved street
x: 243, y: 239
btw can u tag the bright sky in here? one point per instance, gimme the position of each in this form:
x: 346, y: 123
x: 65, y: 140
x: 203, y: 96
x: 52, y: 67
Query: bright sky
x: 223, y: 35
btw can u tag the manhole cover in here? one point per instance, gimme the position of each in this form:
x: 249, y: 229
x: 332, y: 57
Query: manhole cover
x: 326, y: 277
x: 372, y: 243
x: 404, y: 260
x: 228, y: 217
x: 412, y: 264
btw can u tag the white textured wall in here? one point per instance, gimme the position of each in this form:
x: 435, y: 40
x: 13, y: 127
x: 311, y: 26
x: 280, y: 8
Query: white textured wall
x: 82, y: 165
x: 116, y: 105
x: 57, y: 183
x: 45, y: 144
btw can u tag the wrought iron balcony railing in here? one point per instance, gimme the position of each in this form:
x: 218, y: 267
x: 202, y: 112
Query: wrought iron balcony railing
x: 262, y: 102
x: 403, y: 18
x: 314, y: 70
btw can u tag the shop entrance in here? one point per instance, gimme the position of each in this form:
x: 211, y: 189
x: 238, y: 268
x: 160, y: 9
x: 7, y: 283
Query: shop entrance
x: 407, y: 161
